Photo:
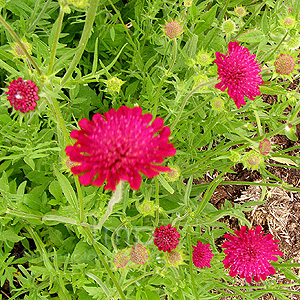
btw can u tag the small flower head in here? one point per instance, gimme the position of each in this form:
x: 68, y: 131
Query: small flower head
x: 202, y: 255
x: 265, y: 147
x: 252, y: 160
x: 113, y: 85
x: 173, y: 29
x: 204, y: 58
x: 22, y: 95
x: 174, y: 258
x: 293, y: 43
x: 166, y: 238
x: 235, y: 156
x: 217, y: 104
x: 121, y: 259
x: 173, y: 174
x: 239, y: 71
x: 228, y: 27
x: 147, y: 208
x: 187, y: 3
x: 18, y: 52
x: 288, y: 22
x: 248, y: 253
x: 240, y: 11
x: 118, y: 146
x: 139, y: 255
x: 200, y: 79
x: 285, y: 64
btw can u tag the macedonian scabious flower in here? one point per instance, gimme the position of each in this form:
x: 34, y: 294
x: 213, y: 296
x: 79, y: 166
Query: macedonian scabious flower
x: 248, y: 253
x: 202, y: 255
x: 239, y: 72
x: 166, y: 238
x: 174, y: 258
x: 139, y: 255
x: 22, y: 95
x: 265, y: 147
x: 118, y: 146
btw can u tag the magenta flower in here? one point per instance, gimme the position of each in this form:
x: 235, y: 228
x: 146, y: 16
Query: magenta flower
x: 166, y: 238
x: 202, y: 255
x: 248, y: 254
x: 118, y: 146
x: 239, y: 72
x: 22, y: 95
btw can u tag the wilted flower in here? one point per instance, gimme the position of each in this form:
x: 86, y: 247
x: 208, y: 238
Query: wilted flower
x: 139, y: 255
x: 166, y: 238
x: 202, y: 255
x: 285, y: 64
x: 173, y: 29
x: 252, y: 160
x: 174, y: 258
x: 265, y: 147
x: 118, y: 146
x: 121, y: 259
x: 248, y: 253
x: 22, y: 95
x: 173, y: 174
x: 239, y: 72
x: 240, y: 11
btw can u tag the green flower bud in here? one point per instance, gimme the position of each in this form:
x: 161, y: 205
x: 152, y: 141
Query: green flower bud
x: 113, y: 85
x: 228, y: 27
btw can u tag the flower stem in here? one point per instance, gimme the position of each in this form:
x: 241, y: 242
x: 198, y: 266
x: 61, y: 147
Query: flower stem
x: 156, y: 201
x: 16, y: 38
x: 210, y: 82
x: 90, y: 17
x: 260, y: 132
x: 155, y: 101
x: 80, y: 199
x: 191, y: 265
x: 55, y: 42
x: 116, y: 198
x: 104, y: 263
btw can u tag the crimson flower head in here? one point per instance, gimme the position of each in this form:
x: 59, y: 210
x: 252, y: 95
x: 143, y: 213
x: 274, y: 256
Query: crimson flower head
x: 166, y: 238
x: 239, y: 71
x: 22, y: 95
x: 202, y: 255
x: 248, y: 253
x: 118, y: 146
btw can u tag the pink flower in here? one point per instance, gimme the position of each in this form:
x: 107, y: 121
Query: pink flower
x: 202, y: 255
x: 249, y: 252
x: 118, y: 146
x: 173, y: 30
x: 22, y: 95
x: 166, y: 238
x: 239, y: 72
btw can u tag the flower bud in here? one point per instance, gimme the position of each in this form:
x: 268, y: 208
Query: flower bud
x: 240, y: 11
x: 147, y: 208
x: 217, y: 104
x: 252, y: 160
x: 265, y: 147
x: 121, y: 260
x: 173, y: 174
x: 173, y: 30
x: 114, y: 85
x: 228, y: 27
x: 139, y: 255
x: 174, y: 258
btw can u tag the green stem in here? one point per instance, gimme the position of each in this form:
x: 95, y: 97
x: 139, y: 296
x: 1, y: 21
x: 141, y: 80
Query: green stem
x: 115, y: 198
x: 268, y: 55
x: 121, y: 20
x: 210, y: 82
x: 281, y: 128
x: 155, y: 101
x: 16, y: 38
x: 55, y: 41
x: 89, y: 21
x: 117, y: 230
x: 80, y: 199
x: 156, y: 202
x: 251, y: 18
x: 259, y: 127
x: 104, y: 263
x: 191, y: 265
x: 238, y: 133
x: 37, y: 19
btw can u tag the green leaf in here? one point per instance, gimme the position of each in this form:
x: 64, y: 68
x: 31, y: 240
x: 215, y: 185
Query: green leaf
x: 67, y: 189
x: 206, y: 20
